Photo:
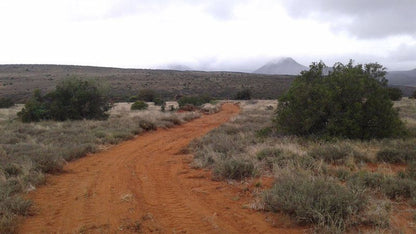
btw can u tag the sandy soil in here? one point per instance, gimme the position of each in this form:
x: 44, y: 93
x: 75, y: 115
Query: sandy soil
x: 146, y: 185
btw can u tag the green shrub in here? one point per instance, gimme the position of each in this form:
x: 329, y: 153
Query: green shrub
x: 233, y: 169
x: 6, y: 103
x: 35, y: 109
x: 365, y: 179
x: 12, y: 170
x: 314, y: 200
x: 410, y: 171
x: 264, y: 132
x: 400, y: 153
x: 399, y: 188
x: 8, y: 223
x: 73, y: 99
x: 193, y: 100
x: 139, y: 105
x: 413, y: 94
x: 351, y: 102
x: 159, y: 102
x: 276, y: 157
x: 133, y: 98
x: 147, y: 95
x: 336, y: 153
x: 147, y: 125
x: 342, y: 174
x: 395, y: 94
x: 16, y: 205
x: 243, y: 95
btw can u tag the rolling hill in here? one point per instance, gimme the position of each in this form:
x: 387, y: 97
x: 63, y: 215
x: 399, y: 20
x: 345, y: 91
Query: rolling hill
x: 404, y: 78
x: 19, y: 81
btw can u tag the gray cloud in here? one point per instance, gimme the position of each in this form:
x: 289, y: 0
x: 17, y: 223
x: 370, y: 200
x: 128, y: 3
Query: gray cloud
x: 365, y: 19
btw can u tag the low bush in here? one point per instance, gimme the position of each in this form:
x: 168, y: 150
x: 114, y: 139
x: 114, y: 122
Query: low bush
x: 413, y: 95
x: 314, y: 200
x: 397, y: 153
x: 243, y: 95
x: 410, y: 171
x: 377, y: 213
x: 395, y: 188
x: 278, y: 157
x: 6, y: 103
x: 366, y: 179
x: 147, y: 95
x: 73, y: 99
x: 234, y: 169
x: 395, y: 94
x: 342, y: 174
x: 336, y: 153
x: 139, y: 105
x: 193, y: 100
x: 188, y: 107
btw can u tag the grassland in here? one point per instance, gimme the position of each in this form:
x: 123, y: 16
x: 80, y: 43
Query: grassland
x: 18, y: 81
x: 334, y: 185
x: 30, y: 150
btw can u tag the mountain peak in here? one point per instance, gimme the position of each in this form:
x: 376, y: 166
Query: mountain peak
x: 282, y: 66
x: 282, y: 60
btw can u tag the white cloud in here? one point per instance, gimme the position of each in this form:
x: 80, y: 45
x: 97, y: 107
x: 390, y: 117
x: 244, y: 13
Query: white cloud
x: 203, y: 34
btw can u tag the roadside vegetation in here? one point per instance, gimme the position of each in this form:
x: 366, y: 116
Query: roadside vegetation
x: 30, y: 150
x: 73, y: 99
x: 334, y: 178
x: 139, y: 105
x: 6, y: 102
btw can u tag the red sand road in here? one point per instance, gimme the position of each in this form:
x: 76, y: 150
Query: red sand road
x: 145, y: 185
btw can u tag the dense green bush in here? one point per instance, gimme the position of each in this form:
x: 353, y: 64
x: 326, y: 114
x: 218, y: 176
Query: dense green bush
x: 351, y: 101
x: 193, y: 100
x: 139, y: 105
x: 314, y: 200
x: 395, y: 94
x: 147, y: 95
x: 243, y: 95
x: 6, y: 103
x: 413, y: 94
x: 73, y: 99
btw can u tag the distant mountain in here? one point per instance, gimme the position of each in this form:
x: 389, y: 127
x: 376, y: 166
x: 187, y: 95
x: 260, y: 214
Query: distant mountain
x: 403, y: 78
x: 282, y: 66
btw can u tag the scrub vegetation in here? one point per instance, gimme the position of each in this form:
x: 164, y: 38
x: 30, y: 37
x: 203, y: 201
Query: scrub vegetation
x: 335, y: 177
x: 29, y: 150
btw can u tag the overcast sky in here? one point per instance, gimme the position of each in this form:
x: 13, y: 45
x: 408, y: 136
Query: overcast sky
x: 207, y: 34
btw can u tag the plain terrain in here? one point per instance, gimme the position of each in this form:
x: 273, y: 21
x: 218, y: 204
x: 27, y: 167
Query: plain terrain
x: 19, y: 81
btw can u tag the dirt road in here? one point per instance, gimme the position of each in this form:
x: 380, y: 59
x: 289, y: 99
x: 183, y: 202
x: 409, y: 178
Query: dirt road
x: 145, y: 185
